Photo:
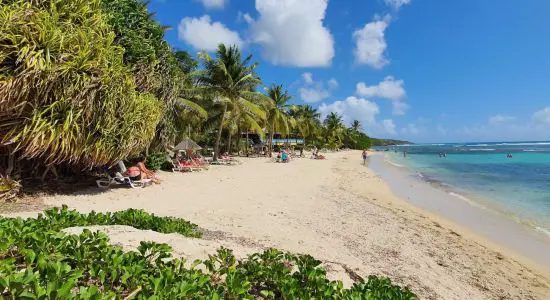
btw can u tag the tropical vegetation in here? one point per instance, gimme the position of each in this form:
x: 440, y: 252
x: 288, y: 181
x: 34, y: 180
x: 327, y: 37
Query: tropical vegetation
x: 85, y: 84
x: 39, y: 261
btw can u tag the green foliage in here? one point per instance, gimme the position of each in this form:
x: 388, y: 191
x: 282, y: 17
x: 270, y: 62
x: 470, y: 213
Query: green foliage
x: 67, y: 96
x: 155, y: 161
x: 156, y: 68
x: 362, y: 142
x: 230, y: 82
x: 37, y: 261
x: 388, y: 142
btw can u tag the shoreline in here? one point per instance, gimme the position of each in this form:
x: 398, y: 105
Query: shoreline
x: 482, y: 220
x: 336, y: 210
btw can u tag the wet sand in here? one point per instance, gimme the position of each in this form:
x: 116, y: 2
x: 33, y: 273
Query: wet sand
x: 488, y: 223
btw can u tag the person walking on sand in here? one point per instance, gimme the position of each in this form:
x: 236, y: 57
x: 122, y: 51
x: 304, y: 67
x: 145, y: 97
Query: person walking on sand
x: 364, y: 157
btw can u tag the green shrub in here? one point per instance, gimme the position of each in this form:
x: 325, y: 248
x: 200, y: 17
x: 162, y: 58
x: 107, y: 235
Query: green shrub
x: 67, y: 96
x: 37, y: 261
x: 155, y: 161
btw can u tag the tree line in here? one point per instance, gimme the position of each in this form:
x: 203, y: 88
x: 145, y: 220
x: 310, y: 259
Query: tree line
x: 86, y: 83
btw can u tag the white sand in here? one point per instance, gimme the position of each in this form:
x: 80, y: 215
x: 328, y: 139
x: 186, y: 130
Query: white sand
x: 336, y: 210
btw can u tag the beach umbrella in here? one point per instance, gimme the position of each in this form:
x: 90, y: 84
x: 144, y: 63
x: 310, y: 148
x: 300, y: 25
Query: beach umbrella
x: 187, y: 144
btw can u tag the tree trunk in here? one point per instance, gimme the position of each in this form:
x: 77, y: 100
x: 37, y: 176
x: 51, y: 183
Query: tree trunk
x: 271, y: 135
x: 239, y: 140
x: 229, y: 135
x: 219, y: 137
x: 11, y: 159
x: 247, y: 146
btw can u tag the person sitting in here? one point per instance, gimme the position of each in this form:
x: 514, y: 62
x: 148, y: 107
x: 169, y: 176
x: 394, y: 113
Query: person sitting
x: 139, y: 171
x: 284, y: 157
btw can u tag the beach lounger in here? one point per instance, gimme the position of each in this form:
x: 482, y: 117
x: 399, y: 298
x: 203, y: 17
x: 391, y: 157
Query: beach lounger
x: 184, y: 167
x: 119, y: 179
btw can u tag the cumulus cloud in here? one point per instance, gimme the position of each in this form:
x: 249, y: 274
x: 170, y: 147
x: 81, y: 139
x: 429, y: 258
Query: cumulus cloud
x: 308, y: 77
x: 244, y: 17
x: 208, y: 4
x: 389, y: 126
x: 203, y: 34
x: 396, y: 4
x: 542, y: 117
x: 499, y: 119
x: 390, y: 89
x: 311, y: 95
x: 315, y: 91
x: 291, y: 32
x: 333, y: 83
x: 399, y: 108
x: 352, y: 108
x: 370, y: 43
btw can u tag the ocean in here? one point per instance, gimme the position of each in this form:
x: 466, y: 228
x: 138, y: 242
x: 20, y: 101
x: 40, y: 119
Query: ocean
x: 483, y: 174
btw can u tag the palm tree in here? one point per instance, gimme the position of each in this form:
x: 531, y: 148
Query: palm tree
x: 334, y: 130
x: 307, y: 120
x: 356, y: 125
x: 230, y: 81
x: 277, y: 112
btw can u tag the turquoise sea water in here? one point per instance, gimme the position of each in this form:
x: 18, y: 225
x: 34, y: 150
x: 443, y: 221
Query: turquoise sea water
x: 518, y: 187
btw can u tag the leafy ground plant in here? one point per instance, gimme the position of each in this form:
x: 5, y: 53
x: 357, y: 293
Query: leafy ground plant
x: 38, y: 261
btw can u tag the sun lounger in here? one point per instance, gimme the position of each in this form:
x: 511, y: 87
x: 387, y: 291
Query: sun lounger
x: 184, y: 167
x: 118, y: 179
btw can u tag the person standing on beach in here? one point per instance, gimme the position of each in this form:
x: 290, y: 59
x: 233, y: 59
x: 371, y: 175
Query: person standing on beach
x: 364, y: 157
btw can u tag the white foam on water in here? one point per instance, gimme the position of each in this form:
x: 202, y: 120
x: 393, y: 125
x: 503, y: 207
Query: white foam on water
x: 466, y: 199
x: 392, y: 163
x: 543, y: 230
x: 523, y: 144
x: 509, y: 144
x: 483, y: 149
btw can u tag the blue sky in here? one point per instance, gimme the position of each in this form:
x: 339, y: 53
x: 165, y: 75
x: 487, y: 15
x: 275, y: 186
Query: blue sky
x: 422, y: 70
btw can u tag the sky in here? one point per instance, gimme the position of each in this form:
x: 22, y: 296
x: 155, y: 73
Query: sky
x: 426, y: 71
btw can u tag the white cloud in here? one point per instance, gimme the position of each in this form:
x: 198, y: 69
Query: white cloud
x: 315, y: 91
x: 389, y: 88
x: 244, y: 17
x: 311, y: 95
x: 399, y: 108
x: 499, y: 119
x: 389, y: 126
x: 209, y: 4
x: 291, y: 32
x: 352, y: 108
x: 308, y: 77
x: 542, y: 117
x: 333, y: 83
x: 370, y: 44
x: 396, y: 4
x: 203, y: 34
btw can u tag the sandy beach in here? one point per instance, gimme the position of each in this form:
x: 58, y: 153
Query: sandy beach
x: 336, y: 210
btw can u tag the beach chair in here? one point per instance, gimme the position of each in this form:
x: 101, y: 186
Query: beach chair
x: 119, y: 179
x: 184, y: 166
